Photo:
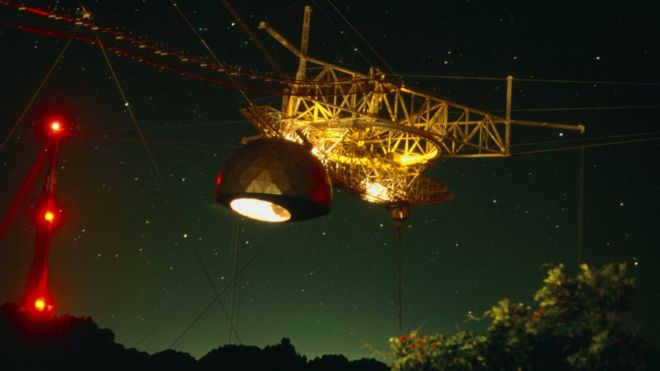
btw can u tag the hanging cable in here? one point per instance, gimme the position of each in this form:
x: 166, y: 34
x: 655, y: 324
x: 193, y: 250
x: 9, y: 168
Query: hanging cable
x: 234, y: 270
x: 36, y: 93
x: 252, y: 36
x: 181, y: 126
x: 242, y: 271
x: 580, y: 208
x: 208, y: 48
x: 167, y: 145
x: 591, y: 82
x: 399, y: 275
x: 343, y: 34
x: 553, y: 81
x: 593, y: 108
x: 561, y: 149
x: 398, y: 214
x: 354, y: 29
x: 217, y: 294
x: 582, y: 140
x: 129, y: 109
x: 178, y: 308
x: 450, y: 77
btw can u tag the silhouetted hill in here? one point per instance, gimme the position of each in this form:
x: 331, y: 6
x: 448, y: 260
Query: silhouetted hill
x: 339, y: 362
x: 73, y: 343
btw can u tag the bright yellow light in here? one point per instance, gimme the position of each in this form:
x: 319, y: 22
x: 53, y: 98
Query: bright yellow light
x: 375, y: 192
x: 264, y: 211
x: 40, y: 304
x: 55, y: 126
x: 409, y: 159
x: 49, y: 216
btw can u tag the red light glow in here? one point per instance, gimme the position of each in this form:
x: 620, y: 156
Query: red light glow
x: 49, y: 216
x: 40, y: 304
x: 55, y: 127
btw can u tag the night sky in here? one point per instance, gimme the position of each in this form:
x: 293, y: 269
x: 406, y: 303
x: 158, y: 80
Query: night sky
x: 133, y: 250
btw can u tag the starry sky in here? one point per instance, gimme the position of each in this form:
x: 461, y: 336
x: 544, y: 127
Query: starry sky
x: 135, y: 251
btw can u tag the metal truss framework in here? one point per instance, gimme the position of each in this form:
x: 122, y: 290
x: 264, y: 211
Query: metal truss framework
x: 376, y: 136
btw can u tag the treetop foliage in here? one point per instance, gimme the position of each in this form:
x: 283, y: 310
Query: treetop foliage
x: 575, y: 324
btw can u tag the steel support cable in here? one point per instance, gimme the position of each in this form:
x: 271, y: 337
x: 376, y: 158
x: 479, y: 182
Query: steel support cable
x: 595, y: 145
x: 580, y: 209
x: 166, y: 145
x: 217, y: 294
x: 207, y: 47
x: 212, y: 302
x: 557, y: 81
x: 188, y: 110
x: 399, y: 275
x: 492, y: 92
x: 71, y: 20
x: 234, y: 269
x: 180, y: 126
x: 106, y: 30
x: 585, y: 108
x: 142, y: 139
x: 355, y: 48
x: 145, y: 60
x: 581, y: 140
x: 36, y: 93
x: 191, y: 145
x: 129, y: 109
x: 227, y: 83
x: 354, y: 29
x: 252, y: 36
x: 180, y: 306
x: 591, y: 82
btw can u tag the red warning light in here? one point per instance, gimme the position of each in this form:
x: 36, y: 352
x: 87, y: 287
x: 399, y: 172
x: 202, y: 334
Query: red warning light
x: 49, y: 216
x: 40, y: 304
x: 55, y: 127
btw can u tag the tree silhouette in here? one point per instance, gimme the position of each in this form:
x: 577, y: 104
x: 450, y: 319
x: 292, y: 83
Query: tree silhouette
x: 72, y: 343
x: 576, y: 324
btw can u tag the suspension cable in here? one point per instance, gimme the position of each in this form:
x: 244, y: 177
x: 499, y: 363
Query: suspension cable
x: 580, y: 209
x: 252, y: 36
x: 129, y: 109
x: 234, y: 271
x: 180, y: 306
x: 585, y: 108
x: 595, y: 145
x: 182, y: 126
x: 217, y: 294
x: 581, y: 140
x: 243, y: 270
x: 399, y: 275
x: 558, y: 81
x: 342, y: 33
x: 36, y: 93
x: 208, y: 48
x: 354, y: 29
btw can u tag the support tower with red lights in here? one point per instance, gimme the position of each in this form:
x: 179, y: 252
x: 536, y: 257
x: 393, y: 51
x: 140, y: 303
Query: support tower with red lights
x: 48, y: 217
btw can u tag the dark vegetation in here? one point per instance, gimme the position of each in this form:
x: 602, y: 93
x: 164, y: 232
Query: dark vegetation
x: 73, y: 343
x: 577, y: 323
